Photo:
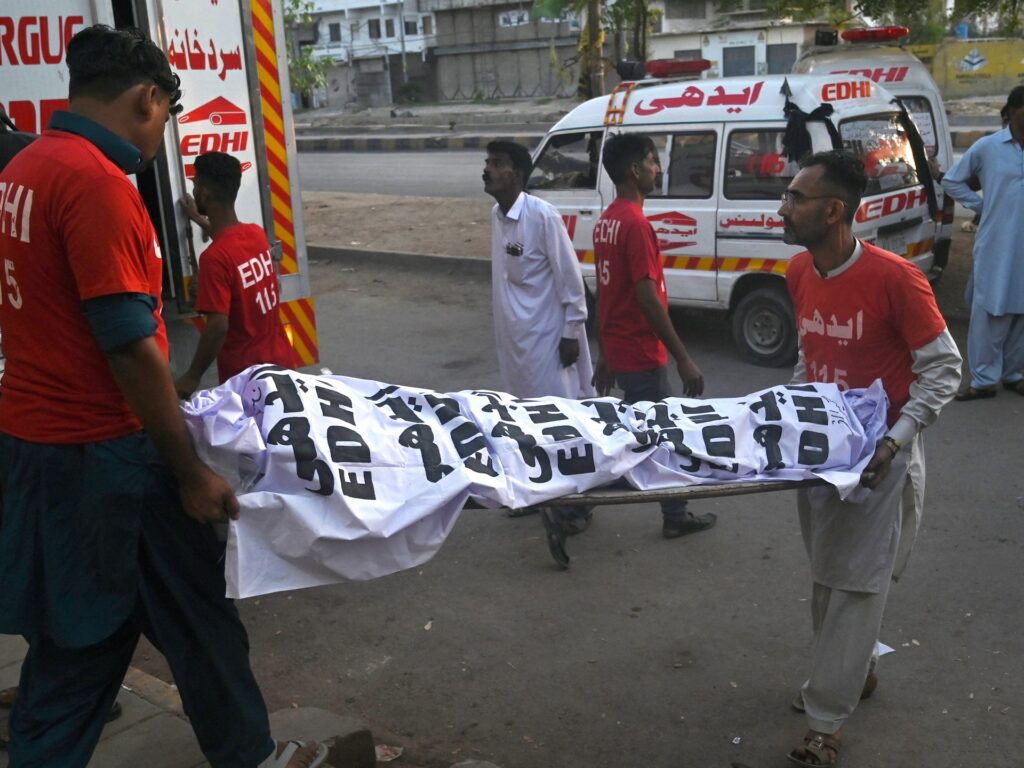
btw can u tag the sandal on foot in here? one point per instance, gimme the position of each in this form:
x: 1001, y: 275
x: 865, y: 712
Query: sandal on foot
x: 1015, y: 386
x: 819, y: 749
x: 282, y: 760
x: 870, y: 683
x: 973, y: 393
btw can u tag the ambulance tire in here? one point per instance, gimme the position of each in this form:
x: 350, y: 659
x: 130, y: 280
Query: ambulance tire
x: 763, y: 327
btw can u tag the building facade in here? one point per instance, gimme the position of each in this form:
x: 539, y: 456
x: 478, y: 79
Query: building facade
x: 745, y: 41
x: 381, y: 51
x: 494, y: 49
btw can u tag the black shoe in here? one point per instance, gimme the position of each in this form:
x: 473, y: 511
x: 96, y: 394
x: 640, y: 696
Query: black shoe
x: 974, y: 393
x: 555, y: 536
x: 673, y: 528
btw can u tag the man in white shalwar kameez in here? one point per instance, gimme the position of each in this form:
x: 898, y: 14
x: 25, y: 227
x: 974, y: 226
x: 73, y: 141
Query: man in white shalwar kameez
x: 540, y: 308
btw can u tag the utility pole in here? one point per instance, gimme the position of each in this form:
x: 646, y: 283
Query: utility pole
x: 401, y: 40
x: 594, y: 63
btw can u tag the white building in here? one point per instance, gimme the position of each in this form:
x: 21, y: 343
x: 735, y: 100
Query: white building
x: 380, y: 50
x: 745, y: 41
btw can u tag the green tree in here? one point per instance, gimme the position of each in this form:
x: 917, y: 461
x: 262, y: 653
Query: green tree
x: 306, y: 71
x: 1009, y: 14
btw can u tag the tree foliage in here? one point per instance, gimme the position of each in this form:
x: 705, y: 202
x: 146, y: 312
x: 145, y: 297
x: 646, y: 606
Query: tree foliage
x: 1008, y: 15
x: 306, y: 71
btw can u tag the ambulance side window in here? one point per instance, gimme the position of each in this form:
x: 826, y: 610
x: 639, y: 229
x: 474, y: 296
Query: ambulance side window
x: 691, y: 168
x: 921, y: 110
x: 568, y: 161
x: 756, y: 167
x: 884, y: 148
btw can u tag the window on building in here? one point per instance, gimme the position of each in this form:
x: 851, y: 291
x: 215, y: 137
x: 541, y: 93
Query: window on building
x: 410, y: 27
x: 781, y: 58
x: 428, y: 25
x: 373, y: 28
x: 389, y: 27
x: 685, y: 9
x: 756, y: 167
x: 334, y: 33
x: 690, y: 54
x: 738, y: 60
x: 568, y: 161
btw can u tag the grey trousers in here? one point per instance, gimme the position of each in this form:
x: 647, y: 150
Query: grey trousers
x: 846, y: 623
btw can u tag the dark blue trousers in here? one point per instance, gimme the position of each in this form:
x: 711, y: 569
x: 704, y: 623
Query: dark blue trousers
x: 94, y: 551
x: 651, y: 385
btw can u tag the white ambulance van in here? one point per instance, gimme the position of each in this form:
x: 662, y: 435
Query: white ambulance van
x: 236, y: 98
x: 874, y: 53
x: 726, y: 160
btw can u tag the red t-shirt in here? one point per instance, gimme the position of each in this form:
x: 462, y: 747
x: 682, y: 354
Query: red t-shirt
x: 237, y: 279
x: 73, y: 228
x: 862, y: 324
x: 626, y: 252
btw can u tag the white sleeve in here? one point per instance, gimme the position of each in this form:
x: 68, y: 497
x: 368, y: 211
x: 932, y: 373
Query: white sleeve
x: 937, y: 366
x: 567, y: 274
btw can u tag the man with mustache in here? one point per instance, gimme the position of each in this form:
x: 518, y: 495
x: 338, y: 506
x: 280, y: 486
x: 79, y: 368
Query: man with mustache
x: 896, y: 334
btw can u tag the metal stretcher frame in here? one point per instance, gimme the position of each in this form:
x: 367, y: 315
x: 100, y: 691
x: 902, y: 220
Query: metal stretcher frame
x: 621, y: 494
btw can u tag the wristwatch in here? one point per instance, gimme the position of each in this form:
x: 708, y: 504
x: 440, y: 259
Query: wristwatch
x: 893, y: 444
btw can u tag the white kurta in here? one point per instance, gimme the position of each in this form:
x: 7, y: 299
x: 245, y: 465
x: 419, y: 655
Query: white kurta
x: 538, y: 296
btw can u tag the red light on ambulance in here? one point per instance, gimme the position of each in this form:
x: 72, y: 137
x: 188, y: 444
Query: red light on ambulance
x: 874, y: 34
x: 676, y: 67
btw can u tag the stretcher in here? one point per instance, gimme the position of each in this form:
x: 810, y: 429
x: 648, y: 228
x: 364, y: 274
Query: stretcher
x: 623, y: 494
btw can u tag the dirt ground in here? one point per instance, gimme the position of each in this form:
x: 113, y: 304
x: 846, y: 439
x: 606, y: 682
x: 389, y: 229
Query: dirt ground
x: 461, y: 227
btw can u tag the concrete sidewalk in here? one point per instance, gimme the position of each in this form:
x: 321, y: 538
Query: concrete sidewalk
x: 154, y: 732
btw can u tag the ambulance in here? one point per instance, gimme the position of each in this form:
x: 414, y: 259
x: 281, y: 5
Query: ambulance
x: 725, y: 163
x: 875, y: 53
x: 230, y: 56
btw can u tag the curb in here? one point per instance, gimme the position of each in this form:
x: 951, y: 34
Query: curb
x: 154, y: 690
x: 467, y: 265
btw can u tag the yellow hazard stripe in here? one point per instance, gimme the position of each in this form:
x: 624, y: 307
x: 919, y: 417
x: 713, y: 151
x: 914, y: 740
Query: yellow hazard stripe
x: 299, y: 314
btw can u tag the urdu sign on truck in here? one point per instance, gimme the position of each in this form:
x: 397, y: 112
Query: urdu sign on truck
x: 235, y: 94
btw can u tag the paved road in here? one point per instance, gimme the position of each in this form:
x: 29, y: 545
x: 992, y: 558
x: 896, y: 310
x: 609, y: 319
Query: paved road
x: 648, y: 652
x: 435, y: 174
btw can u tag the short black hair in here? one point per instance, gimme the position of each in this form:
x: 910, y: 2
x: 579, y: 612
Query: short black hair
x: 517, y: 153
x: 220, y: 174
x: 844, y: 172
x: 1015, y: 100
x: 104, y: 63
x: 623, y: 150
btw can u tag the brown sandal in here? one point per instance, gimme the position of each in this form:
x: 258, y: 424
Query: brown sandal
x: 819, y: 749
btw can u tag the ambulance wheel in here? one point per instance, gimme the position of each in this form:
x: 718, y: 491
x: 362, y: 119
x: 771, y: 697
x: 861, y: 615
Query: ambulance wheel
x: 763, y: 327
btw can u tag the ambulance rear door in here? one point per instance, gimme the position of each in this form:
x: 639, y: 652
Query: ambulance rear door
x: 566, y: 173
x: 683, y: 207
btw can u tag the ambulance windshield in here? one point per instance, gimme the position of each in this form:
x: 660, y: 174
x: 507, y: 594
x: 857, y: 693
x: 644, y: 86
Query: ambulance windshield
x: 884, y: 147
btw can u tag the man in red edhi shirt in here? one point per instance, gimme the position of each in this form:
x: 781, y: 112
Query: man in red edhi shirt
x: 862, y: 314
x: 105, y: 508
x: 636, y: 334
x: 238, y: 287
